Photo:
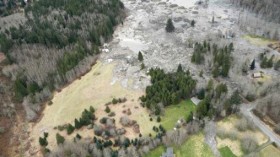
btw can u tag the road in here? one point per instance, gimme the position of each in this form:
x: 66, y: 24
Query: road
x: 246, y: 111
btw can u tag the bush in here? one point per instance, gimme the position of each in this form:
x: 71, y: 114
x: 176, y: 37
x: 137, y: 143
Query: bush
x: 78, y: 136
x: 91, y: 109
x: 70, y: 129
x: 248, y: 144
x: 151, y: 119
x: 158, y: 119
x: 107, y: 109
x: 115, y: 101
x: 59, y: 139
x: 43, y: 141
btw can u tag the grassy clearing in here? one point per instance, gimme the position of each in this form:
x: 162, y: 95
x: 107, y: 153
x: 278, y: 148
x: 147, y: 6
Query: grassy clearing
x: 175, y: 112
x: 270, y: 151
x: 226, y: 152
x: 193, y: 147
x: 257, y: 40
x: 94, y: 89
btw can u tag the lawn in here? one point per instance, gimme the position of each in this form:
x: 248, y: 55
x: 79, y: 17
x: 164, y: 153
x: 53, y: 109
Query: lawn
x: 193, y: 147
x: 175, y: 112
x: 226, y: 152
x: 156, y: 152
x: 270, y: 151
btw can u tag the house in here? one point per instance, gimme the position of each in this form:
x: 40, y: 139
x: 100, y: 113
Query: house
x: 257, y: 75
x: 168, y: 153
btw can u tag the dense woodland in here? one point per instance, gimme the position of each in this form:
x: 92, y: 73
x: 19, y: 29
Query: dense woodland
x: 167, y: 88
x: 58, y: 43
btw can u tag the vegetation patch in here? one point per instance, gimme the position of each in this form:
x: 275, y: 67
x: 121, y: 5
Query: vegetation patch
x: 193, y: 147
x: 226, y: 152
x: 175, y: 112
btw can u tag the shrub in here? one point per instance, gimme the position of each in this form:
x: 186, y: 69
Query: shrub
x: 59, y: 139
x: 115, y: 101
x: 111, y: 114
x: 107, y: 109
x: 70, y: 129
x: 158, y: 119
x: 43, y: 141
x: 78, y: 136
x: 91, y: 109
x: 151, y: 119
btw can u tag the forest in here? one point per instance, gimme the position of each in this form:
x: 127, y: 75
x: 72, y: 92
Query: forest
x: 58, y: 43
x: 168, y: 88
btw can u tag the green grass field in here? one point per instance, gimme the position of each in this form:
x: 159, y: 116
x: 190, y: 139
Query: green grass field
x: 193, y: 147
x: 270, y: 151
x: 175, y: 112
x: 226, y: 152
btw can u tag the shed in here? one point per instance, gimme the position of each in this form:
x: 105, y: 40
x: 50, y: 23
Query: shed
x: 257, y: 75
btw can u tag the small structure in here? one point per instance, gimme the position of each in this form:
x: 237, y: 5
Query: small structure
x: 195, y: 100
x: 257, y: 75
x: 168, y: 153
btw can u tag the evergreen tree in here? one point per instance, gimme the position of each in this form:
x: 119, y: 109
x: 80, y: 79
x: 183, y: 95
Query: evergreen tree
x: 252, y: 66
x: 169, y: 26
x: 77, y: 124
x: 140, y: 56
x: 192, y: 23
x: 180, y: 68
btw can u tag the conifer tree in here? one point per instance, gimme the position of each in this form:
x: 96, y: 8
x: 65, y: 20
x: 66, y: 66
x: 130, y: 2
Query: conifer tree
x: 140, y: 56
x: 252, y: 66
x: 169, y: 26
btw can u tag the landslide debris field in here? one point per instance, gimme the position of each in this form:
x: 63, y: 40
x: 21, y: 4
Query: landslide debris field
x: 118, y: 72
